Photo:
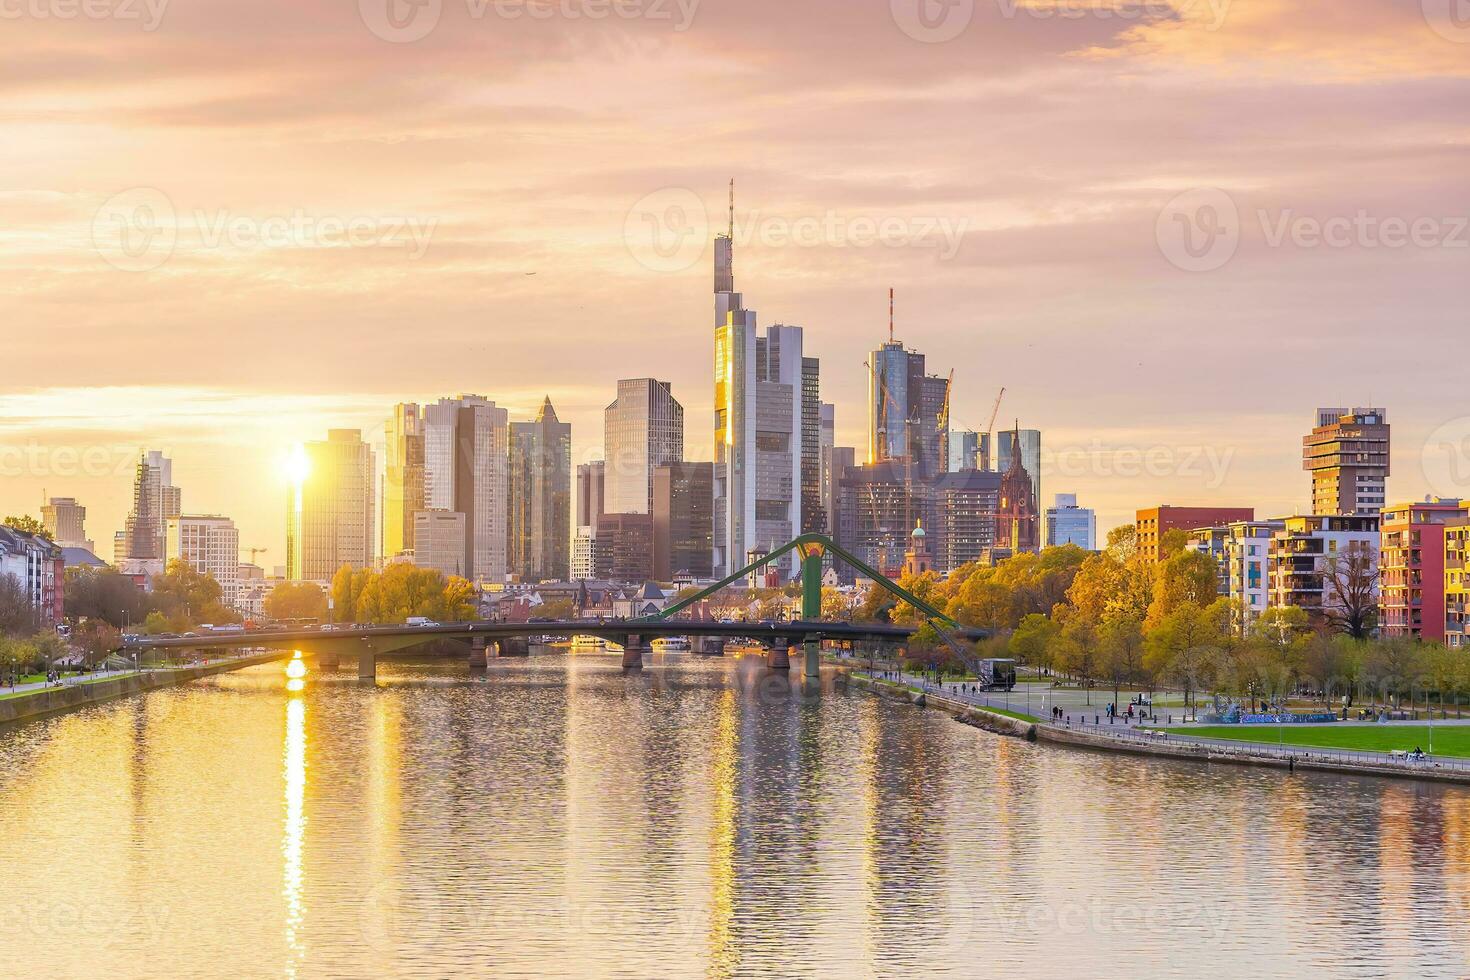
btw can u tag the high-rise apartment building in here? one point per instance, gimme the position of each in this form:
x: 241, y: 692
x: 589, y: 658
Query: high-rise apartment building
x: 66, y: 520
x: 403, y: 478
x: 155, y: 500
x: 683, y: 521
x: 541, y: 497
x: 211, y: 546
x: 1347, y: 455
x: 1066, y: 523
x: 1411, y: 567
x: 758, y: 426
x: 330, y: 510
x: 642, y: 429
x: 1302, y: 555
x: 905, y: 406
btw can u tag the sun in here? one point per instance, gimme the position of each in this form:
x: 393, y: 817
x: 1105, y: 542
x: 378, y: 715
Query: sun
x: 296, y: 466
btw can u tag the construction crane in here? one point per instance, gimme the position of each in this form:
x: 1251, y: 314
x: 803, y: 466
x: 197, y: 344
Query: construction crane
x: 256, y: 551
x: 990, y: 430
x: 944, y: 422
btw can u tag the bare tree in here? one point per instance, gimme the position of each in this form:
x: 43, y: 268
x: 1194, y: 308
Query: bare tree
x: 1350, y: 593
x: 17, y: 614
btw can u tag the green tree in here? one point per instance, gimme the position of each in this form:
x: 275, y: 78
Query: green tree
x: 296, y: 600
x: 29, y: 525
x: 1032, y: 641
x: 347, y: 587
x: 189, y: 596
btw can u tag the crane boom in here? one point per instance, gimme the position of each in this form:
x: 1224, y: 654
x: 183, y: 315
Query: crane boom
x: 990, y: 429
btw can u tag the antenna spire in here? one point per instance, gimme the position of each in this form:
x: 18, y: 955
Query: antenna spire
x: 732, y: 209
x: 890, y: 314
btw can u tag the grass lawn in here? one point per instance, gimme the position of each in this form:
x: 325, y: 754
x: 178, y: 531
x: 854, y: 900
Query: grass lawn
x: 1009, y: 714
x: 1448, y: 739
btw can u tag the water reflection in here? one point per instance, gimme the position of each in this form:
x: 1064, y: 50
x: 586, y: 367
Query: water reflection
x: 560, y: 817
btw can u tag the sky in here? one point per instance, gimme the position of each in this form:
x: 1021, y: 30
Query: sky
x: 1170, y: 230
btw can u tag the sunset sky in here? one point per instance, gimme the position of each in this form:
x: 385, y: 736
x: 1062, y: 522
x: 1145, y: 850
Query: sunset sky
x: 230, y: 226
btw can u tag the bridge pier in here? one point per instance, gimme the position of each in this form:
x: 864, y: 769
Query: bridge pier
x: 812, y: 651
x: 477, y: 653
x: 633, y: 649
x: 329, y: 661
x: 779, y: 656
x: 367, y: 664
x: 514, y: 646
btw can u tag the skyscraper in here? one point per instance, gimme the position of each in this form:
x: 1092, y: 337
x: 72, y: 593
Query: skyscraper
x: 66, y: 520
x: 591, y: 493
x: 642, y: 429
x: 211, y: 546
x: 330, y: 510
x: 1347, y: 455
x: 683, y: 525
x: 1066, y: 523
x: 905, y: 406
x: 541, y: 497
x: 403, y: 478
x: 758, y: 419
x: 155, y: 500
x: 813, y: 512
x: 482, y: 445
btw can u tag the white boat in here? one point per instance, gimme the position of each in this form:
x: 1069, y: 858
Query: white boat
x: 588, y: 644
x: 671, y: 644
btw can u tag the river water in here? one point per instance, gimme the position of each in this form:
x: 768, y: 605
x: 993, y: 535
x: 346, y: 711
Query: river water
x: 556, y: 817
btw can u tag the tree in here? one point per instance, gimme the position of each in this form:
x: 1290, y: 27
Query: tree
x: 103, y: 593
x: 1122, y: 543
x: 1281, y: 633
x: 29, y: 525
x: 1186, y: 646
x: 17, y: 614
x: 97, y: 640
x: 347, y: 588
x: 1121, y: 649
x: 17, y: 656
x: 1032, y: 641
x: 296, y: 600
x: 1350, y: 578
x: 1187, y: 577
x: 189, y: 596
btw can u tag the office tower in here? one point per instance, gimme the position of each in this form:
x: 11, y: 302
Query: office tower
x: 642, y: 429
x: 624, y: 548
x: 1347, y: 455
x: 466, y: 471
x: 403, y: 478
x: 1066, y: 523
x: 1301, y: 555
x: 964, y: 450
x: 66, y: 520
x: 591, y: 493
x: 905, y: 407
x: 211, y: 546
x: 758, y: 416
x: 330, y: 510
x: 1412, y: 567
x: 962, y: 517
x: 828, y: 417
x: 155, y: 500
x: 1154, y: 523
x: 541, y: 497
x: 836, y: 461
x: 683, y: 521
x: 1017, y: 524
x: 584, y: 554
x: 813, y: 513
x: 1030, y: 443
x: 439, y: 541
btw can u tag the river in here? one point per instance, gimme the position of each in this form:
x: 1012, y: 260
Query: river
x: 556, y: 817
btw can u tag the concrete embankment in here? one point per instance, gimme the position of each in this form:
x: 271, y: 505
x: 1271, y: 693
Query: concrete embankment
x: 1171, y: 748
x: 991, y: 721
x: 71, y: 697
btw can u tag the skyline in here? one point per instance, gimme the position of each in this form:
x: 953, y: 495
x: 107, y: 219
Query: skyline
x: 1029, y: 247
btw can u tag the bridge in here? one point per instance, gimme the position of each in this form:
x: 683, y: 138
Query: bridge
x: 332, y: 644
